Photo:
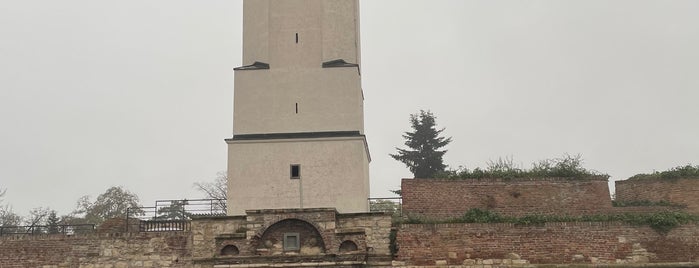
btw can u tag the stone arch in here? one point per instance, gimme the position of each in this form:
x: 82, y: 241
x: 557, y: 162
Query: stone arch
x: 230, y: 250
x: 348, y: 246
x: 271, y: 239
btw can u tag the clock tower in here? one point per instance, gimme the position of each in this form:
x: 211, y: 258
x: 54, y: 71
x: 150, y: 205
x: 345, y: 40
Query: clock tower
x: 298, y: 125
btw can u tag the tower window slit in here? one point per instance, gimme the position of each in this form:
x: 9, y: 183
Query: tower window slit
x: 297, y: 38
x: 297, y: 107
x: 295, y: 172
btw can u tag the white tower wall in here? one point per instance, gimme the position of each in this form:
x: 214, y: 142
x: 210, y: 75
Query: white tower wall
x: 298, y: 101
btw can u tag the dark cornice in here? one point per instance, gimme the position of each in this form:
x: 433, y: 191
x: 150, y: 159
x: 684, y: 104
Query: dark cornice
x: 300, y: 135
x: 255, y: 66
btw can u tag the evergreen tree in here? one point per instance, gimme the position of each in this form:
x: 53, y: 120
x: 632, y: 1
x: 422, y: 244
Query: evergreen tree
x: 424, y: 159
x: 52, y: 222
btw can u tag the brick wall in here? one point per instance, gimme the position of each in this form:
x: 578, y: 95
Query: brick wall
x: 441, y: 199
x: 680, y: 191
x: 559, y: 243
x: 96, y: 250
x: 322, y: 231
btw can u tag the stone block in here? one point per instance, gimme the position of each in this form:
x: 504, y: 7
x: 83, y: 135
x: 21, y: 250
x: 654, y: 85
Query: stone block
x: 640, y: 259
x: 520, y: 262
x: 397, y: 263
x: 469, y: 262
x: 512, y: 256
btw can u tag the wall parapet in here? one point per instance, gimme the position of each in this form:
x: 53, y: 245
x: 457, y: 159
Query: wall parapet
x: 441, y: 199
x: 584, y: 243
x: 683, y: 191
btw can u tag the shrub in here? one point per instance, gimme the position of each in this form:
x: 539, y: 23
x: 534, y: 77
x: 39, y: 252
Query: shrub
x: 563, y: 167
x: 646, y: 203
x: 662, y: 221
x: 687, y: 171
x: 481, y: 216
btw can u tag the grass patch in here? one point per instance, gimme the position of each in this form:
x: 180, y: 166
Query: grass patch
x: 563, y: 167
x: 687, y: 171
x: 646, y: 203
x: 661, y: 221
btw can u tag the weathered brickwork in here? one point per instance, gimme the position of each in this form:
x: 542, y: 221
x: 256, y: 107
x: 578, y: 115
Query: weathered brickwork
x: 442, y: 199
x: 205, y: 231
x: 559, y: 243
x: 258, y: 238
x: 97, y: 250
x: 228, y: 241
x: 679, y: 191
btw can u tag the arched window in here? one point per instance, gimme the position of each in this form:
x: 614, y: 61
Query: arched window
x: 348, y: 246
x: 230, y: 250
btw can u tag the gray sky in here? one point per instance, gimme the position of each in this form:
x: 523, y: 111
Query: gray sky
x: 95, y: 94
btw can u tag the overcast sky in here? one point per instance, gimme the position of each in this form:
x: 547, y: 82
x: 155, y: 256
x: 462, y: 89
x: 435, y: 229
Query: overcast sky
x: 96, y: 94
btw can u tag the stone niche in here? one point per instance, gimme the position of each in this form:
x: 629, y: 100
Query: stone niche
x: 295, y: 237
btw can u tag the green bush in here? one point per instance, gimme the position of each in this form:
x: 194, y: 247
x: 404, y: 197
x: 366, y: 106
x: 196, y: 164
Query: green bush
x: 687, y: 171
x: 661, y: 221
x: 393, y: 246
x: 646, y: 203
x: 481, y: 216
x: 563, y: 167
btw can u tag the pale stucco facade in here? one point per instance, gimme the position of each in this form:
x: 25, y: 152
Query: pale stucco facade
x: 298, y: 101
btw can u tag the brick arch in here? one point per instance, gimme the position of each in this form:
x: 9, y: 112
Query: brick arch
x: 291, y: 224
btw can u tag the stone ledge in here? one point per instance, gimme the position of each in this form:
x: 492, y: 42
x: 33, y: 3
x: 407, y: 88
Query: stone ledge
x: 350, y: 231
x: 570, y: 265
x: 289, y: 210
x: 305, y: 264
x: 231, y: 236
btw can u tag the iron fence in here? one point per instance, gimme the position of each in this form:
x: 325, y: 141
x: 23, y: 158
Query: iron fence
x: 69, y: 229
x: 393, y: 205
x: 172, y: 215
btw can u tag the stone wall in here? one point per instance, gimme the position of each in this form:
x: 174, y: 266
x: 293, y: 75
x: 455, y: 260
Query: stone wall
x: 97, y: 250
x: 205, y: 230
x: 442, y: 199
x: 376, y: 229
x: 679, y: 191
x: 324, y: 237
x: 553, y: 243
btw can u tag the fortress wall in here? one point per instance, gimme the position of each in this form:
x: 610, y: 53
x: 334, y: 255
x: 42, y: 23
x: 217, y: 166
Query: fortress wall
x: 679, y: 191
x: 553, y: 243
x: 97, y: 250
x: 442, y: 199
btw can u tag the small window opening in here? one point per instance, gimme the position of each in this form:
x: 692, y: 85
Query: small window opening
x: 297, y: 107
x: 297, y: 38
x: 295, y: 172
x: 230, y: 250
x: 291, y: 241
x: 348, y: 246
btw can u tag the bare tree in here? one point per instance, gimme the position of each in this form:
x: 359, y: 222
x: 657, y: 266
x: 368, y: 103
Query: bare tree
x: 111, y: 204
x: 216, y: 189
x: 37, y: 216
x: 7, y: 216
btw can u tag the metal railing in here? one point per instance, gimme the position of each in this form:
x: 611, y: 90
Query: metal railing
x: 393, y: 205
x: 69, y: 229
x: 172, y: 215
